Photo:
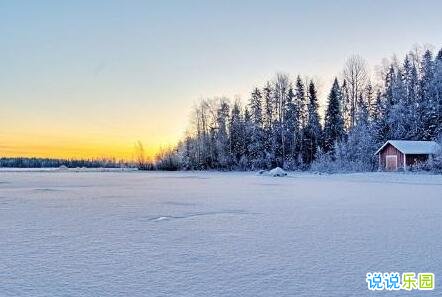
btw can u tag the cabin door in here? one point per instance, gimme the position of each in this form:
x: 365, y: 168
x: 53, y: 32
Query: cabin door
x: 391, y: 162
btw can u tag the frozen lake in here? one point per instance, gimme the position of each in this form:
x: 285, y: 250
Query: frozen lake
x: 214, y: 234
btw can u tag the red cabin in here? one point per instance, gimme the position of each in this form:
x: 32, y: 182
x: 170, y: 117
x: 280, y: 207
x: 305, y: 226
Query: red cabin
x: 398, y: 154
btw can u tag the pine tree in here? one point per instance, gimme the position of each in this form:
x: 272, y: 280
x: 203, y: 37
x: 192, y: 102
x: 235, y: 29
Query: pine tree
x: 369, y: 94
x: 255, y: 106
x: 333, y: 124
x: 438, y: 86
x: 244, y: 161
x: 256, y: 144
x: 291, y: 128
x: 428, y: 98
x: 380, y: 125
x: 398, y: 115
x: 313, y: 129
x: 236, y: 134
x: 222, y: 137
x: 362, y: 114
x: 361, y: 144
x: 269, y: 133
x: 300, y: 102
x: 346, y: 106
x: 411, y: 82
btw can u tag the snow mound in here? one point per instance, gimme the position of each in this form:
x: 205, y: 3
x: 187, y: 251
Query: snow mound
x: 278, y: 171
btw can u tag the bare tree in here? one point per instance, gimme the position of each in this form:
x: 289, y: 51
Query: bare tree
x: 140, y: 157
x: 281, y: 88
x: 355, y: 74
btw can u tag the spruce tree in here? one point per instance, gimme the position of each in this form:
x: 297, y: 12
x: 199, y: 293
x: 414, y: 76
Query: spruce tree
x: 247, y: 132
x: 398, y: 115
x: 313, y: 129
x: 438, y: 86
x: 269, y: 133
x: 236, y: 134
x: 411, y: 82
x: 222, y: 137
x: 256, y: 144
x: 346, y: 106
x: 291, y: 127
x: 428, y: 97
x: 333, y: 122
x: 300, y: 102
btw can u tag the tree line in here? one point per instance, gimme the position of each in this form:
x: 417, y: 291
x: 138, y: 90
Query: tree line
x: 22, y: 162
x: 281, y: 123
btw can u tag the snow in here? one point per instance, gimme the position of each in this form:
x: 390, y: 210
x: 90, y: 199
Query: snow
x: 275, y: 172
x: 413, y: 147
x: 67, y: 233
x: 64, y: 168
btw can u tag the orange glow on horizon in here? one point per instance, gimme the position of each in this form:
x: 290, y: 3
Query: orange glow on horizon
x: 75, y: 148
x: 87, y: 135
x: 77, y: 152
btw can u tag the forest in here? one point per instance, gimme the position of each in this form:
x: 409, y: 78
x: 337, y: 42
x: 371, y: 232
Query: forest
x: 23, y: 162
x: 281, y: 124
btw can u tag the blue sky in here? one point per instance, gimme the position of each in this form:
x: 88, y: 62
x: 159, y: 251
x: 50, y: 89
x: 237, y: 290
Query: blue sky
x: 90, y: 74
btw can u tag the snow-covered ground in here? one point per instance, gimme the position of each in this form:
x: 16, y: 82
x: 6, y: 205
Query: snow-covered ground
x: 214, y: 234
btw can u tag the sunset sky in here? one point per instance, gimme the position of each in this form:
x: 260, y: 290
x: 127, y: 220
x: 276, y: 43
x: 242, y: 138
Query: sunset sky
x: 90, y: 78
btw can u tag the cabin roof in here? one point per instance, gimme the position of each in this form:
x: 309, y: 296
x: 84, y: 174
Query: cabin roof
x: 412, y: 147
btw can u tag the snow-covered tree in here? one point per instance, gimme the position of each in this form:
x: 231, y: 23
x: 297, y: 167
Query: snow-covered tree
x: 269, y: 132
x: 346, y: 106
x: 222, y: 136
x: 280, y: 97
x: 399, y: 116
x: 429, y: 98
x: 312, y: 132
x: 280, y: 125
x: 290, y: 127
x: 300, y: 100
x: 236, y: 129
x: 438, y: 87
x: 333, y: 122
x: 355, y: 74
x: 256, y: 144
x: 411, y: 83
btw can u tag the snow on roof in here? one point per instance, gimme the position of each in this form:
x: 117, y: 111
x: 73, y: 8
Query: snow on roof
x: 412, y: 147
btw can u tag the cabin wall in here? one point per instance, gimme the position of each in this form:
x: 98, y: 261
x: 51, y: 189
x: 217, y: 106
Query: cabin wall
x: 390, y: 150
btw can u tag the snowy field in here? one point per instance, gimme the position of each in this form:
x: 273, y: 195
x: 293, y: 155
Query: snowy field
x: 214, y: 234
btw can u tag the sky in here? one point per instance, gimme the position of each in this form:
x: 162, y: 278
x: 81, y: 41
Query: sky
x: 87, y: 79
